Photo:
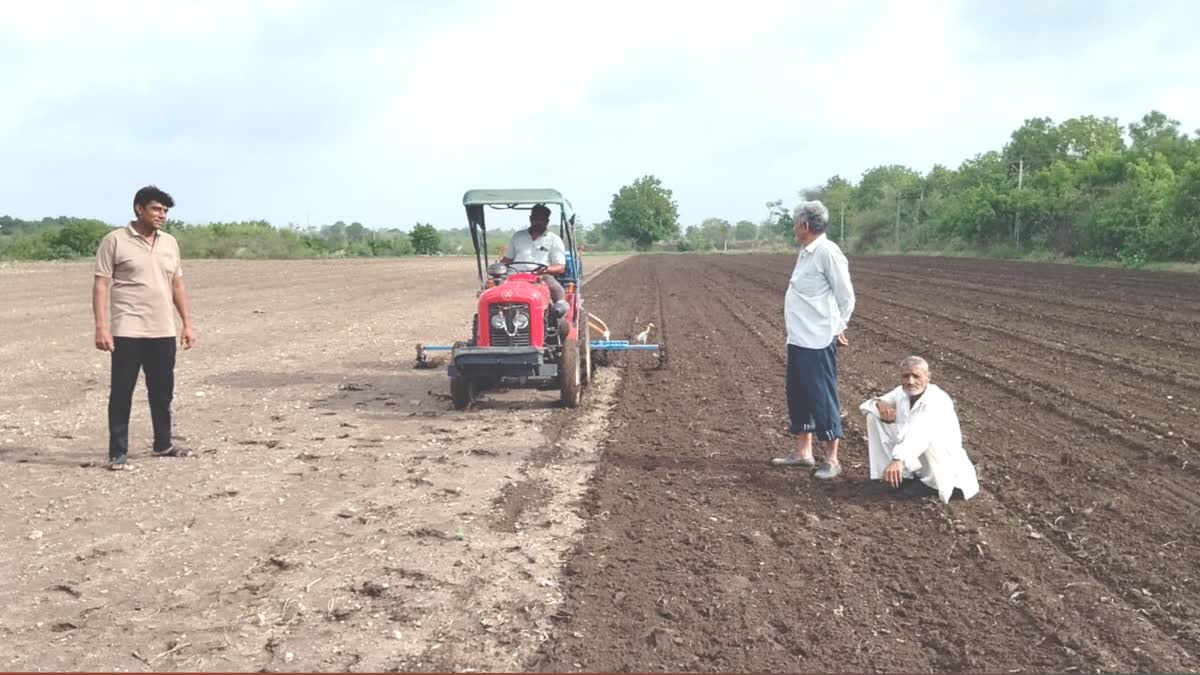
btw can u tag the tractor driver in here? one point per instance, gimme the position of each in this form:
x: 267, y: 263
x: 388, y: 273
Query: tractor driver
x: 537, y: 245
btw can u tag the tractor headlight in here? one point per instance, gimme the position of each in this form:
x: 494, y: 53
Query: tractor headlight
x: 520, y: 321
x: 498, y: 321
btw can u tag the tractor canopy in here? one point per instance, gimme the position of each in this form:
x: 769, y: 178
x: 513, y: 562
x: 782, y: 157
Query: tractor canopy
x: 477, y: 202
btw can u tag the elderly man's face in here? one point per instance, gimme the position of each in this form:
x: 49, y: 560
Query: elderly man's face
x: 914, y: 380
x: 800, y: 227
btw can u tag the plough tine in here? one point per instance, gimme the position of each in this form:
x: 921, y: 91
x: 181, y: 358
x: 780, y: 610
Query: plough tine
x: 598, y: 324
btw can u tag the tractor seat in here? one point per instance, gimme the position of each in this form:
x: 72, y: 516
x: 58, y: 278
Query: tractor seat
x: 571, y: 275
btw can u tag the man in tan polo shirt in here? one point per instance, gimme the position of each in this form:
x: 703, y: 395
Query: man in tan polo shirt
x: 139, y: 274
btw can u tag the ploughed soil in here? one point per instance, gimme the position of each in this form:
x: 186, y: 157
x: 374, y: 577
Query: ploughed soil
x: 1078, y: 392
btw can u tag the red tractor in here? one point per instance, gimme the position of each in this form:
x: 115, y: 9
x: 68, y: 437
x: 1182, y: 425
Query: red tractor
x: 518, y: 335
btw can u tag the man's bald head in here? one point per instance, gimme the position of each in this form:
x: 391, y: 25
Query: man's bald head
x: 914, y: 362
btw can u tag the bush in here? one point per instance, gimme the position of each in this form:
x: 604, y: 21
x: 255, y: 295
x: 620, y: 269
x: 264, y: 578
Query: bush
x: 425, y: 239
x: 77, y: 238
x: 27, y: 247
x: 63, y: 252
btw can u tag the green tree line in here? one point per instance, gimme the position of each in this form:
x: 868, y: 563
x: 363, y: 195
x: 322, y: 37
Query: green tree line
x: 644, y: 216
x: 1084, y: 187
x: 65, y: 238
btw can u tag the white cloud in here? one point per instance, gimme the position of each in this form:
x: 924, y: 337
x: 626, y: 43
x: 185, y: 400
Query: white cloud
x: 385, y: 112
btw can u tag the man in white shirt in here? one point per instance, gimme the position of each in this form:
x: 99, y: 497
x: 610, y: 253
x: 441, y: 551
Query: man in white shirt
x: 914, y: 438
x: 817, y: 307
x: 537, y: 246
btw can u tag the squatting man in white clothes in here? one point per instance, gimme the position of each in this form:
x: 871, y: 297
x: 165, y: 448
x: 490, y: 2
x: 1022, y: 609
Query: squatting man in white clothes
x: 914, y: 439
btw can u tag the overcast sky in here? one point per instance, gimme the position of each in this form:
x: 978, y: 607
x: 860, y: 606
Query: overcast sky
x: 385, y: 112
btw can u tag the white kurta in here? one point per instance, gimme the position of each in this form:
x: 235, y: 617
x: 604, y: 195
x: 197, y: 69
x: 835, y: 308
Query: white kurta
x: 925, y: 437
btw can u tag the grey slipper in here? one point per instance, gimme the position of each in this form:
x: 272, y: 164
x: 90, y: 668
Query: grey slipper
x: 828, y: 471
x: 793, y: 459
x: 173, y: 451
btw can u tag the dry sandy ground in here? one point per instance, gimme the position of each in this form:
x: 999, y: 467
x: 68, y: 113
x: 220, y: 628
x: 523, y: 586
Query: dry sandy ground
x: 337, y: 513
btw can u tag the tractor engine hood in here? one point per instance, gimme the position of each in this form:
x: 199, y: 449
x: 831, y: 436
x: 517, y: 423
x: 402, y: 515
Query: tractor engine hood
x: 518, y: 288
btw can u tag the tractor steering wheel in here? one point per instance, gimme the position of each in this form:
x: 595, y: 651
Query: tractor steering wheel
x: 539, y: 268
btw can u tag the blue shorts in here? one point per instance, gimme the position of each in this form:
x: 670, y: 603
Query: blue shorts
x: 812, y: 395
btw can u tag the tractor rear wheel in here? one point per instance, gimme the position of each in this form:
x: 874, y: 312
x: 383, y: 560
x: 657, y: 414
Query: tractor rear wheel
x: 587, y: 365
x: 569, y: 378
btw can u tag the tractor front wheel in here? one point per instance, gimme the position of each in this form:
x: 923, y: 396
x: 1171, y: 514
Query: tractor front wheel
x: 569, y: 379
x: 462, y: 388
x: 462, y: 391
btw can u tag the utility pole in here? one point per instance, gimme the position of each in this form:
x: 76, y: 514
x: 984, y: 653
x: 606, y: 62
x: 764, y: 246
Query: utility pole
x: 1020, y: 182
x: 897, y: 221
x: 843, y: 237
